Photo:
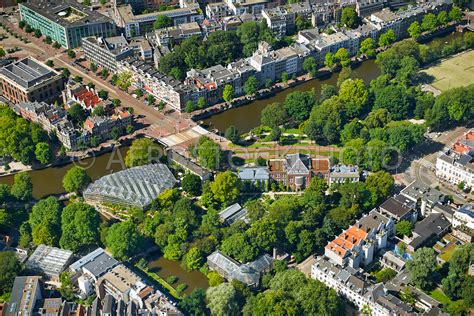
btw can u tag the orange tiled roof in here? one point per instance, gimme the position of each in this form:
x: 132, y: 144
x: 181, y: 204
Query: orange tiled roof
x: 347, y: 240
x: 88, y: 97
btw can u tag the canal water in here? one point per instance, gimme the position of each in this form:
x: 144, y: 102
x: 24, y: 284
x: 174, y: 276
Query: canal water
x: 49, y: 181
x: 246, y: 117
x: 165, y: 268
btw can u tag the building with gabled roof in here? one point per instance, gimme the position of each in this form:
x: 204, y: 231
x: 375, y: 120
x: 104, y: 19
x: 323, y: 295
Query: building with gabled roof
x: 233, y: 213
x: 27, y: 291
x: 297, y: 170
x: 397, y: 210
x: 430, y: 229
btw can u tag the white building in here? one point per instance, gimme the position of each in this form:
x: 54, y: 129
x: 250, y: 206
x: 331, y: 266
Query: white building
x: 456, y: 168
x: 358, y: 245
x: 464, y: 216
x: 353, y: 286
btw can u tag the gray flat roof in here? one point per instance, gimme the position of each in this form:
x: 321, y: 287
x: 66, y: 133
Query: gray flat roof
x: 66, y: 13
x: 28, y: 72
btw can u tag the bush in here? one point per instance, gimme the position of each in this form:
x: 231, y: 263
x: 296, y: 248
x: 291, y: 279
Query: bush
x: 171, y: 279
x: 181, y: 287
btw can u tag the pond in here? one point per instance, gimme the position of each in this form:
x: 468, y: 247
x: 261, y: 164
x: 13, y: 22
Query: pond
x: 165, y: 268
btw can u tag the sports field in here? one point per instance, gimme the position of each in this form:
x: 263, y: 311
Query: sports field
x: 453, y: 72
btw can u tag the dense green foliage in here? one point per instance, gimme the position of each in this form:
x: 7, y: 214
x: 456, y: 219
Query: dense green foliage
x: 22, y: 188
x: 220, y: 47
x: 124, y: 240
x: 10, y: 267
x: 19, y: 138
x: 45, y: 222
x: 76, y: 179
x: 80, y: 226
x: 208, y: 153
x: 142, y: 152
x: 422, y: 268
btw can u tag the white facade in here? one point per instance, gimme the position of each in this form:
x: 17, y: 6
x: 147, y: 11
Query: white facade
x: 455, y: 169
x: 464, y: 216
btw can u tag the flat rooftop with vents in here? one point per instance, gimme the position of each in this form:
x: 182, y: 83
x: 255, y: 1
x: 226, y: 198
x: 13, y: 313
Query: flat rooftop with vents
x: 28, y: 73
x: 49, y: 261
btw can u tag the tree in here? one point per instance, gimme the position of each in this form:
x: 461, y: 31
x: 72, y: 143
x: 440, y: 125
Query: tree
x: 56, y: 45
x: 71, y: 54
x: 342, y: 56
x: 208, y: 153
x: 455, y: 14
x: 422, y: 268
x: 298, y: 105
x: 192, y: 184
x: 408, y: 296
x: 49, y: 62
x: 380, y: 185
x: 240, y: 247
x: 367, y: 47
x: 222, y: 300
x: 123, y: 239
x: 43, y: 152
x: 99, y: 111
x: 138, y: 92
x: 403, y: 228
x: 355, y: 95
x: 327, y: 91
x: 10, y: 267
x: 103, y: 94
x: 124, y: 80
x: 329, y: 60
x: 414, y: 30
x: 284, y: 77
x: 201, y: 103
x: 350, y: 18
x: 80, y: 226
x: 429, y: 22
x: 232, y: 134
x: 385, y: 275
x: 162, y: 21
x: 76, y: 179
x: 116, y: 103
x: 310, y: 66
x: 77, y: 114
x: 105, y: 73
x: 387, y: 38
x: 45, y: 221
x: 251, y: 85
x: 194, y: 304
x: 21, y: 24
x: 66, y: 73
x: 273, y: 115
x: 142, y: 152
x: 215, y: 279
x: 225, y: 187
x: 393, y: 99
x: 442, y: 18
x: 93, y: 67
x: 22, y: 188
x: 37, y: 33
x: 151, y: 100
x: 228, y: 93
x: 193, y: 259
x: 189, y: 107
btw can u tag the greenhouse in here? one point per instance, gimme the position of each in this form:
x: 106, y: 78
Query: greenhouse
x: 136, y: 186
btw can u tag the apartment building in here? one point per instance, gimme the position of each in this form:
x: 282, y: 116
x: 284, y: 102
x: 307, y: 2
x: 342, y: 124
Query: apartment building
x: 26, y: 293
x: 135, y: 25
x: 77, y: 93
x: 424, y: 197
x: 456, y: 168
x: 354, y: 286
x: 106, y: 52
x: 280, y: 20
x: 30, y: 80
x: 174, y: 35
x: 396, y: 208
x: 164, y: 88
x: 140, y: 5
x: 430, y: 229
x: 296, y: 170
x: 464, y: 216
x: 65, y: 21
x: 217, y: 11
x: 358, y: 245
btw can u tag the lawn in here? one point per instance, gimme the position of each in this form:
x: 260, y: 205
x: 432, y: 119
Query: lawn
x: 438, y: 295
x: 448, y: 252
x: 453, y: 72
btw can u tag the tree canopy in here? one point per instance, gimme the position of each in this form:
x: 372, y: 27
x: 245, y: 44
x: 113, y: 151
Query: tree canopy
x: 124, y: 240
x: 80, y: 226
x: 76, y: 179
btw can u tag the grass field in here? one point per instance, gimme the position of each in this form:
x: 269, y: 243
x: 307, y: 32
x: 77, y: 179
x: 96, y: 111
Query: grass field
x: 453, y: 72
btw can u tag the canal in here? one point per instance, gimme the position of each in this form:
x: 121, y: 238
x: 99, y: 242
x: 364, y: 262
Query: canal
x: 246, y: 117
x: 166, y: 268
x: 49, y: 181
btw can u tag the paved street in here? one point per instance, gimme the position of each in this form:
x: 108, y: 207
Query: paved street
x: 421, y: 163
